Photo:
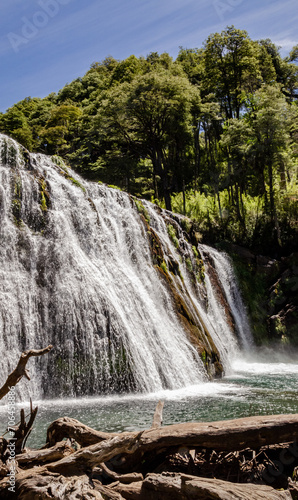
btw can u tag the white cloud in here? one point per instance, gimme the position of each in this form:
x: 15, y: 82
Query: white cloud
x: 286, y: 44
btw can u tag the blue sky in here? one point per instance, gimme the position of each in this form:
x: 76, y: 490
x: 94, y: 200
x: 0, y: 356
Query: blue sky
x: 45, y: 44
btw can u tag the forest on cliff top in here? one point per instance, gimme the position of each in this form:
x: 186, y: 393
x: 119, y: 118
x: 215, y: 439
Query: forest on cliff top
x: 212, y: 134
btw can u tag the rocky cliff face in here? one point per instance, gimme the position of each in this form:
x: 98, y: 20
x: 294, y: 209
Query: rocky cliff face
x: 270, y: 289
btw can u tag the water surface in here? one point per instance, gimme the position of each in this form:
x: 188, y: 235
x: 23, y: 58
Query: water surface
x: 252, y: 388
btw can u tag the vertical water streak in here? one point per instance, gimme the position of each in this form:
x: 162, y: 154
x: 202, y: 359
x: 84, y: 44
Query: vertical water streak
x: 204, y: 302
x: 226, y: 276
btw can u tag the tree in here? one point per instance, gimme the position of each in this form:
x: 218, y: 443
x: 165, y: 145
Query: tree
x: 236, y: 143
x: 15, y: 123
x: 126, y: 70
x: 230, y: 64
x: 59, y: 127
x: 286, y: 71
x: 192, y: 62
x: 151, y: 118
x: 294, y: 54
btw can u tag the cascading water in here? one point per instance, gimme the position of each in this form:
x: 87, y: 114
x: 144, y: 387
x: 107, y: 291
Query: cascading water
x: 228, y: 283
x: 208, y: 309
x: 76, y: 271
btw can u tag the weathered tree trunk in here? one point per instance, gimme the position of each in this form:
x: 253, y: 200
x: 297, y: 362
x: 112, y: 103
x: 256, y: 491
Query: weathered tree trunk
x: 75, y: 474
x: 226, y: 435
x: 170, y: 486
x: 37, y: 457
x: 157, y: 419
x: 67, y: 427
x: 22, y: 431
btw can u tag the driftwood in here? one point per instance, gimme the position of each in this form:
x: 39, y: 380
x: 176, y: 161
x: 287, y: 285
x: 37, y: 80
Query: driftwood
x: 47, y: 486
x: 157, y: 419
x: 20, y: 370
x: 184, y: 487
x: 32, y: 457
x: 23, y: 430
x: 67, y: 427
x: 226, y: 435
x: 154, y: 487
x: 80, y: 473
x: 82, y: 466
x: 122, y: 478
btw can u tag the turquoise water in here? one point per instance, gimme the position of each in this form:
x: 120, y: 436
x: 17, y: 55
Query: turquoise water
x: 250, y: 389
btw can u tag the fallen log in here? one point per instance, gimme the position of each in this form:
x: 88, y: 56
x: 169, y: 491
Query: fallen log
x: 227, y: 435
x: 85, y: 459
x: 122, y: 478
x: 34, y: 457
x: 74, y: 470
x: 67, y: 427
x: 170, y: 486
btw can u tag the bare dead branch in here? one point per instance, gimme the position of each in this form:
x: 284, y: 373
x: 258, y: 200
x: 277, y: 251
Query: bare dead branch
x: 157, y: 419
x: 20, y: 370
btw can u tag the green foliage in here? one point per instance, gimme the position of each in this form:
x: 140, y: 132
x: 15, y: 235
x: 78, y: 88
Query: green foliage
x: 172, y: 235
x: 212, y: 135
x: 189, y: 265
x: 195, y: 251
x: 43, y: 202
x: 59, y: 162
x: 186, y: 224
x: 77, y: 183
x: 141, y: 209
x: 163, y: 266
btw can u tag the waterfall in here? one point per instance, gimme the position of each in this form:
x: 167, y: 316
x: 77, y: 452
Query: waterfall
x: 228, y: 282
x: 76, y: 271
x: 211, y: 310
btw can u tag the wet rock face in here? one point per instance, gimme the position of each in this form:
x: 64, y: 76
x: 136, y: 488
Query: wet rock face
x: 278, y: 304
x: 283, y: 302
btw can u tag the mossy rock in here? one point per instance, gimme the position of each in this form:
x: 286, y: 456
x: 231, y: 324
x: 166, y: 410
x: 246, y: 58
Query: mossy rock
x: 141, y: 209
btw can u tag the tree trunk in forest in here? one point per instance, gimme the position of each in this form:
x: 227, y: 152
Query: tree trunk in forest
x: 271, y: 190
x: 160, y: 169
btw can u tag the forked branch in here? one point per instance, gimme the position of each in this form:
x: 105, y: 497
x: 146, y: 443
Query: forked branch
x: 20, y: 370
